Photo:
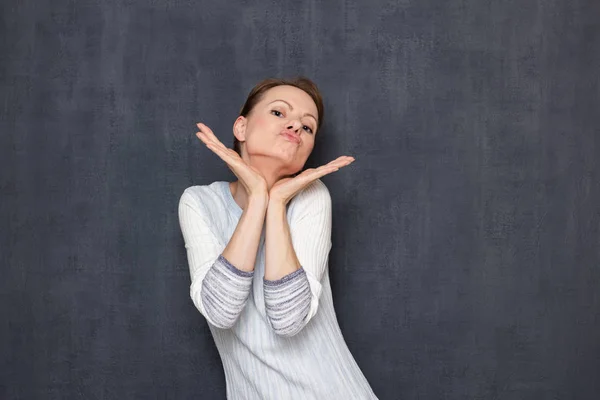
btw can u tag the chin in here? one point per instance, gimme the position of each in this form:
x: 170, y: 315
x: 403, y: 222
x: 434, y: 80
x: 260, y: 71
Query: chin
x: 291, y: 169
x: 290, y: 161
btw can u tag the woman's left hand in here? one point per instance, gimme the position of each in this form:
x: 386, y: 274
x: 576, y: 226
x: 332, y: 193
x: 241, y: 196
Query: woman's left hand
x: 285, y: 189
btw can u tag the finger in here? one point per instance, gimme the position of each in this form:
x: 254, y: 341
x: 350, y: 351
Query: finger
x: 307, y: 176
x: 221, y: 152
x: 310, y: 175
x: 340, y: 162
x: 207, y: 141
x: 232, y: 159
x: 335, y: 165
x: 343, y: 160
x: 207, y: 137
x: 209, y: 134
x: 202, y: 136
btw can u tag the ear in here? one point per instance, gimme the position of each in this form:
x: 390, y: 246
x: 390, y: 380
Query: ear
x: 239, y: 128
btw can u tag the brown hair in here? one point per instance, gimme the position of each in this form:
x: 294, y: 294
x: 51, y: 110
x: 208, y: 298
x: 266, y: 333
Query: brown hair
x: 258, y: 91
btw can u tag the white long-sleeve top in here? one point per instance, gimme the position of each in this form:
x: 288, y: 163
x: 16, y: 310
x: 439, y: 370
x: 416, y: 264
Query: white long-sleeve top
x: 277, y: 339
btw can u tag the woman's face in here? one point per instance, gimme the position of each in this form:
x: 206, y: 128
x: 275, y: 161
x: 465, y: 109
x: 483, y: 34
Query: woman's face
x: 281, y: 126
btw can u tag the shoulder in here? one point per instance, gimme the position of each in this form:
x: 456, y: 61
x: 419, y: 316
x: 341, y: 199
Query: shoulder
x: 313, y: 198
x: 204, y: 199
x: 315, y: 191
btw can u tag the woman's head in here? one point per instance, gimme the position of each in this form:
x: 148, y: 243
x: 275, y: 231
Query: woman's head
x: 280, y: 119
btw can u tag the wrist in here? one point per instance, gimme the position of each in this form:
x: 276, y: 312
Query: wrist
x: 259, y: 201
x: 276, y: 207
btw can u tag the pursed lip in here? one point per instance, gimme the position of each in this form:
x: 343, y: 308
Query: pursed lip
x: 292, y: 135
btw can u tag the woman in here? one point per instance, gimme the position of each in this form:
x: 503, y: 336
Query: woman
x: 258, y: 254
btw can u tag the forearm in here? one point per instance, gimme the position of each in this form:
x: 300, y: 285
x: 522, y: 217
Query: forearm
x: 280, y: 257
x: 227, y: 284
x: 286, y: 287
x: 243, y: 245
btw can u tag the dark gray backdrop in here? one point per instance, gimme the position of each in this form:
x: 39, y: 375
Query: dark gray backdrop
x: 465, y: 259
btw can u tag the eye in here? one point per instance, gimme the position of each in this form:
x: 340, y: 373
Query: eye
x: 276, y: 113
x: 307, y: 128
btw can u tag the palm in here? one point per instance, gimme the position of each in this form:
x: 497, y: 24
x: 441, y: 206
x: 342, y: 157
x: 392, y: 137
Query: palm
x: 281, y: 182
x: 249, y: 176
x: 285, y: 189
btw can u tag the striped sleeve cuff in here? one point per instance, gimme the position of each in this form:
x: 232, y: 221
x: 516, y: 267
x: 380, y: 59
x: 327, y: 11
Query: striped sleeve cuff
x: 225, y: 290
x: 287, y: 302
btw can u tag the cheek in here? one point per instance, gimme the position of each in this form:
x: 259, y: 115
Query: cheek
x: 308, y: 147
x: 259, y: 131
x: 261, y: 123
x: 309, y: 141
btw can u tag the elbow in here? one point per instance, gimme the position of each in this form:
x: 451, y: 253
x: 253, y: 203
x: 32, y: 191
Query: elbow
x: 220, y: 323
x: 287, y: 328
x: 289, y: 304
x: 286, y: 333
x: 218, y: 312
x: 210, y: 310
x: 221, y: 295
x: 215, y: 315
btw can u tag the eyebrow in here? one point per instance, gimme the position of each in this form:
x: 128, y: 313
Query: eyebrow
x: 292, y: 108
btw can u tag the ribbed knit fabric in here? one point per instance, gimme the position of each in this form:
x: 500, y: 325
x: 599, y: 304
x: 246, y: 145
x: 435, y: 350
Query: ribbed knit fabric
x: 224, y: 292
x: 277, y: 339
x: 287, y: 301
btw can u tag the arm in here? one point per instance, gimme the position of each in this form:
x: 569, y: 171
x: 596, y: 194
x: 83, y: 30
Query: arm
x: 221, y: 275
x: 296, y: 258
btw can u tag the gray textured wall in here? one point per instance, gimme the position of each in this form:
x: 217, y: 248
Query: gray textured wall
x: 465, y: 259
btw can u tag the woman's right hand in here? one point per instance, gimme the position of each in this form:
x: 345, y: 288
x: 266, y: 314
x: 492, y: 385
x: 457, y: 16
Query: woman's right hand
x: 249, y: 177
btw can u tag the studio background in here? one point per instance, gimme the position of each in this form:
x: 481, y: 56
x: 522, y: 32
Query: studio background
x: 466, y: 236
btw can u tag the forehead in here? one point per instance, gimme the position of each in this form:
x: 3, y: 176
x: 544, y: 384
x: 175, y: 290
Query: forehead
x: 298, y: 98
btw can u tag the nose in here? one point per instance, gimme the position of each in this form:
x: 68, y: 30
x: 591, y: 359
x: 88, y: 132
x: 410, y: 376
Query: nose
x: 294, y: 125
